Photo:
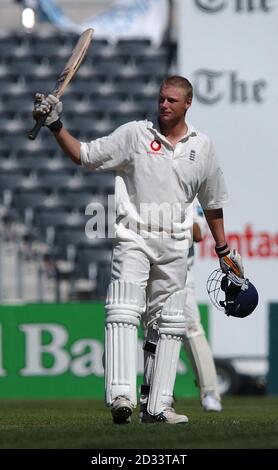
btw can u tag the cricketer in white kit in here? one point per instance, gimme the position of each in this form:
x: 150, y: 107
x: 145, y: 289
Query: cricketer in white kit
x: 195, y: 343
x: 150, y: 173
x: 160, y: 168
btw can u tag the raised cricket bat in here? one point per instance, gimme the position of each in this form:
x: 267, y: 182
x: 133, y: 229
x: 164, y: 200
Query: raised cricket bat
x: 67, y: 74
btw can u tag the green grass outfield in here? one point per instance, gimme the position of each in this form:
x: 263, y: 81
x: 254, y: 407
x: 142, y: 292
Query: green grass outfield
x: 245, y: 422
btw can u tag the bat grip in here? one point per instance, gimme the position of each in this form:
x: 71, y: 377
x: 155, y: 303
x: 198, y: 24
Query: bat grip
x: 36, y: 129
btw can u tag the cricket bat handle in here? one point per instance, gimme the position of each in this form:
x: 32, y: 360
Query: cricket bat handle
x: 36, y: 129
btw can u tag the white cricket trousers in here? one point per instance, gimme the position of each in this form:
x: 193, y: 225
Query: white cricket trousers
x: 158, y: 264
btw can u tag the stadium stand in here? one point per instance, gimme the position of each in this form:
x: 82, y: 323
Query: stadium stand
x: 41, y: 191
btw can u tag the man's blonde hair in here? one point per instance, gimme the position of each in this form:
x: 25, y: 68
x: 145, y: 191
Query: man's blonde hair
x: 179, y: 82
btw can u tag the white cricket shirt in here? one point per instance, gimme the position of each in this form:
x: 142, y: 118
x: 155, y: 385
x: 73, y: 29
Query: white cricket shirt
x: 155, y: 182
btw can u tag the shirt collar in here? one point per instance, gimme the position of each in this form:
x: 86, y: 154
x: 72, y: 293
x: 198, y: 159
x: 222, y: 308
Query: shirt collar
x: 153, y: 126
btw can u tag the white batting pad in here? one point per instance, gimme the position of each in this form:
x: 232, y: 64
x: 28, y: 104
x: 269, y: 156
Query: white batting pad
x: 202, y: 362
x: 124, y: 306
x: 171, y: 327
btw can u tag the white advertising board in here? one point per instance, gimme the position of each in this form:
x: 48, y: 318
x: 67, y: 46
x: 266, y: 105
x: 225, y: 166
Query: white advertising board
x: 228, y: 50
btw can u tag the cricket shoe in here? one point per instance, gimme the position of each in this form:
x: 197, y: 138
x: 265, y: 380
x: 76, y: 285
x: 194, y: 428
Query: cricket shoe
x: 210, y: 403
x: 121, y: 411
x: 168, y: 416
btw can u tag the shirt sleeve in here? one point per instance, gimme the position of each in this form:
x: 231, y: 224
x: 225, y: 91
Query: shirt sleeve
x: 212, y: 192
x: 111, y: 152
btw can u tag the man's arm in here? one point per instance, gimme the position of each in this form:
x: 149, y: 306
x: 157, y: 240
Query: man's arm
x: 197, y: 234
x: 215, y: 222
x: 69, y: 144
x: 229, y: 261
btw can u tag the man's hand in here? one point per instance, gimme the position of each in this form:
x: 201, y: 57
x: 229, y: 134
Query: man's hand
x: 232, y: 263
x: 49, y: 105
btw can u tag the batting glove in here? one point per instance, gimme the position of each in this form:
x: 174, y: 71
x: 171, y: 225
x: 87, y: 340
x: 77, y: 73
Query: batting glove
x: 230, y: 262
x: 50, y: 106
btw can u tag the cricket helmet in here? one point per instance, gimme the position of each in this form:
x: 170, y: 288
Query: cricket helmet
x: 237, y: 297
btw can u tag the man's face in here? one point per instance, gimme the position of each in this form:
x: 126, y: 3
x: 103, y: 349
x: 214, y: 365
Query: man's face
x: 172, y: 104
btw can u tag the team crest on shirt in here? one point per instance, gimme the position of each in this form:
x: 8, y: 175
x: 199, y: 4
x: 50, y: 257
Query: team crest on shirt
x: 192, y: 155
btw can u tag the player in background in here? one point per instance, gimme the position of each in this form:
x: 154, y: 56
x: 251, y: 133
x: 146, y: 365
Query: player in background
x: 159, y: 164
x: 195, y: 343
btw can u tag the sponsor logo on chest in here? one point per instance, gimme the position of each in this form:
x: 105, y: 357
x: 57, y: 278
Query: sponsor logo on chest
x: 155, y: 148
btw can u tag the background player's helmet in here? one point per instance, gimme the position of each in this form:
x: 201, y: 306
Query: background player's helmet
x: 237, y: 299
